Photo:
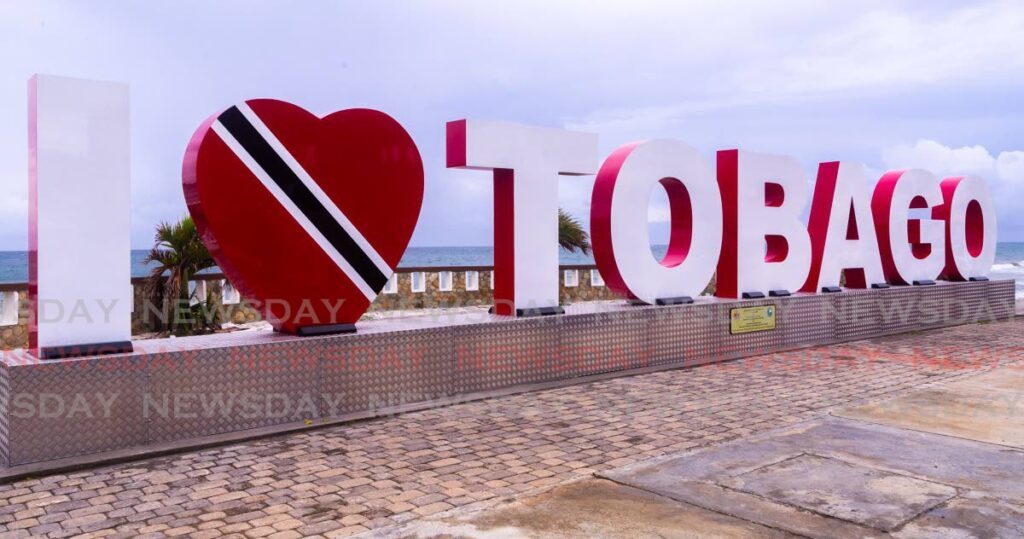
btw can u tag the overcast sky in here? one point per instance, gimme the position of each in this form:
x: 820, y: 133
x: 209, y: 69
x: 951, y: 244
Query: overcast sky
x: 891, y: 84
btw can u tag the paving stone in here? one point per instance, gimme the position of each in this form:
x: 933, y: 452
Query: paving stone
x: 388, y: 470
x: 346, y: 531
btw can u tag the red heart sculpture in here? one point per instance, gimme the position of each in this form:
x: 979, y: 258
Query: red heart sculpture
x: 306, y: 216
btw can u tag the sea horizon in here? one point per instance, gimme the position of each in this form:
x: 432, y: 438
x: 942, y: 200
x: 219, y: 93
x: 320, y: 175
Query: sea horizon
x: 1009, y: 262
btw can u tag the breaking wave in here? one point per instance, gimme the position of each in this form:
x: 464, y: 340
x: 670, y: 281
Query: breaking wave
x: 1009, y: 267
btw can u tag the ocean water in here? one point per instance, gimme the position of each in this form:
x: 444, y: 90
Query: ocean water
x: 14, y: 264
x: 1009, y: 263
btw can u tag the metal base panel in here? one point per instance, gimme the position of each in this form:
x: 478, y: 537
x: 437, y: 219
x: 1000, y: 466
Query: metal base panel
x: 190, y: 391
x: 681, y: 300
x: 325, y: 329
x: 78, y: 350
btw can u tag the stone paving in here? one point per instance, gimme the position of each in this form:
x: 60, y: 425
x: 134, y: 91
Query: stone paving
x: 374, y: 475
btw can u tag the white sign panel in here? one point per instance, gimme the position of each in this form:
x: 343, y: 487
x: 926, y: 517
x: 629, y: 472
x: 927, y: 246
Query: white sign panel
x: 618, y: 220
x: 80, y: 195
x: 527, y: 162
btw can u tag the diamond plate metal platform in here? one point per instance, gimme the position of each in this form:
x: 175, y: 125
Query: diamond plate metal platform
x: 185, y: 391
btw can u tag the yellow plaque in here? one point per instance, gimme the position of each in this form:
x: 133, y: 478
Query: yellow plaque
x: 751, y: 319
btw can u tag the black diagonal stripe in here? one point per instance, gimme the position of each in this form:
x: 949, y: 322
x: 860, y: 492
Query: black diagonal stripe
x: 304, y: 199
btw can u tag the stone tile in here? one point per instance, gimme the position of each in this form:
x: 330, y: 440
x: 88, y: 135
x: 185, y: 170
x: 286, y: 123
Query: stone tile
x: 853, y: 479
x: 867, y: 496
x: 964, y: 517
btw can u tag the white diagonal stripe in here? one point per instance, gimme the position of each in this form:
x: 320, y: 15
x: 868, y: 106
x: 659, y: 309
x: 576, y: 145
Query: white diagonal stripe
x: 293, y: 210
x: 314, y: 188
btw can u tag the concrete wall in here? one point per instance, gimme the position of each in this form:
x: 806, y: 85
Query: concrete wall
x: 434, y: 297
x: 16, y: 335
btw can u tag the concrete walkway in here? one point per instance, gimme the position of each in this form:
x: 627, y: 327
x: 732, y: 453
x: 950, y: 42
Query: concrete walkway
x: 468, y: 469
x: 947, y: 461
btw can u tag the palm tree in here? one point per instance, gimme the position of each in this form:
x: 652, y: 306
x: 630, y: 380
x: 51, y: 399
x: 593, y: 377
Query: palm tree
x: 178, y: 253
x: 571, y: 235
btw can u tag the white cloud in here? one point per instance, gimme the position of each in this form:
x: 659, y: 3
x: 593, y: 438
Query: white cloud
x: 1006, y: 168
x: 829, y: 50
x: 1004, y: 173
x: 659, y: 214
x: 941, y: 159
x: 889, y: 46
x: 1010, y: 167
